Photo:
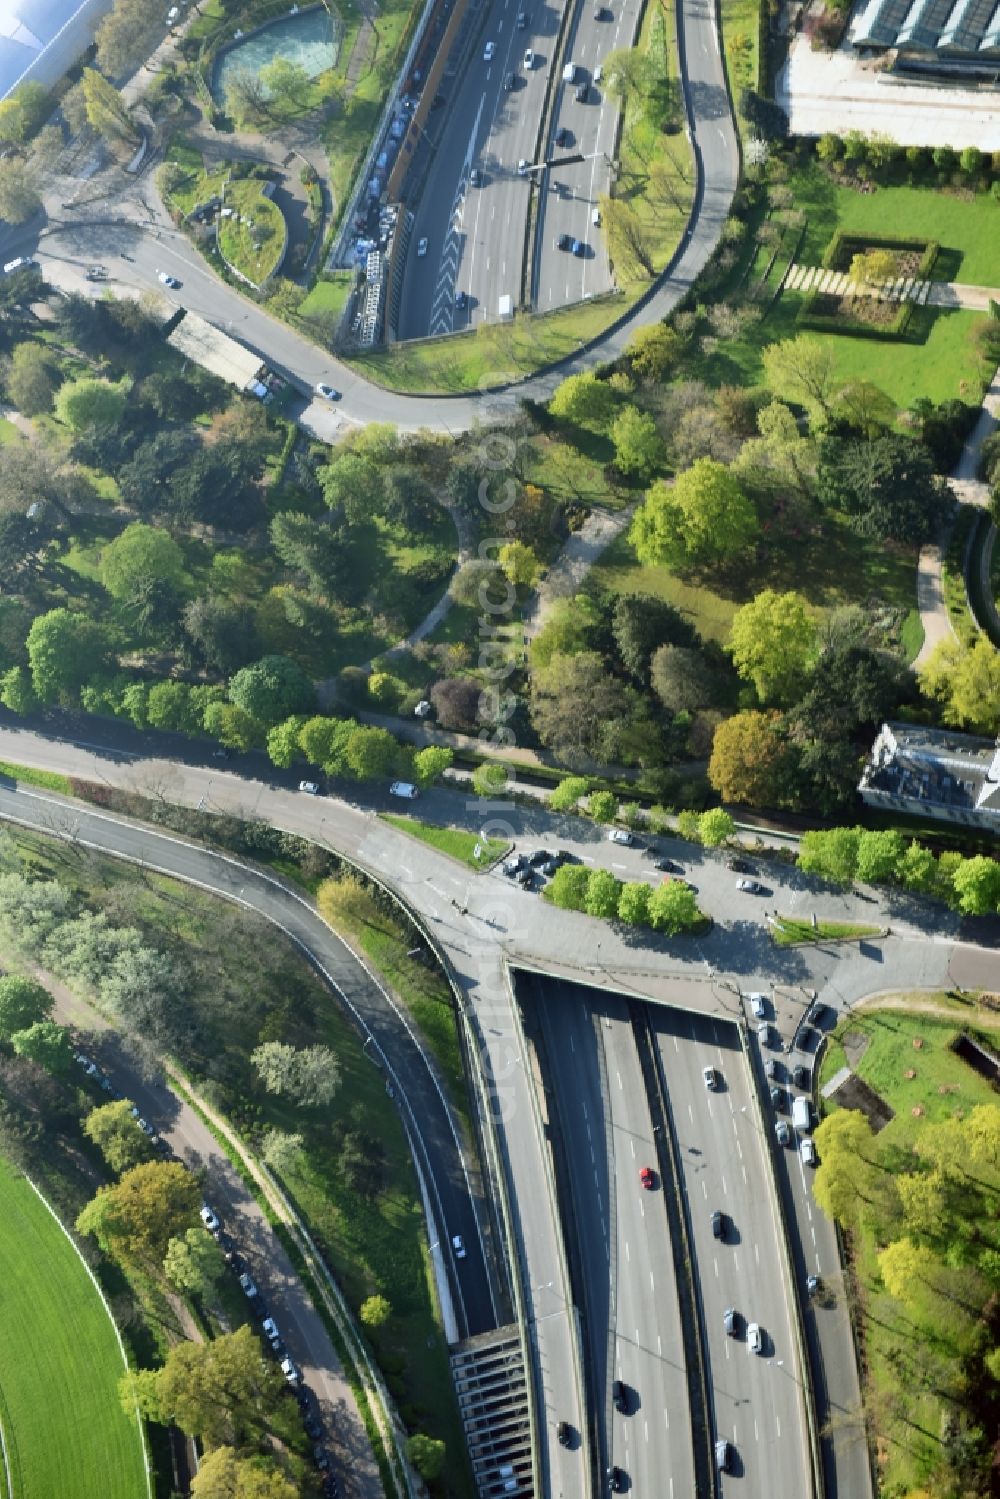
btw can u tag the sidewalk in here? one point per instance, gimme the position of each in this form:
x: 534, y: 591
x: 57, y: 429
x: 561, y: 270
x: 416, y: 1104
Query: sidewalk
x: 579, y: 553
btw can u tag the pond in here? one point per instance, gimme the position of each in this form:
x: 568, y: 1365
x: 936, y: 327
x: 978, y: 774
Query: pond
x: 307, y: 38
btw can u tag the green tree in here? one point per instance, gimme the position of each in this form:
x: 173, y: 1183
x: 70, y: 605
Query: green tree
x: 117, y: 1136
x: 222, y: 632
x: 246, y: 98
x: 602, y: 806
x: 576, y: 707
x: 323, y: 741
x: 847, y: 1162
x: 272, y: 689
x: 490, y: 779
x: 865, y: 408
x: 715, y: 826
x: 887, y: 486
x: 431, y: 762
x: 31, y: 378
x: 23, y: 1003
x: 223, y: 1474
x: 23, y: 112
x: 773, y: 643
x: 107, y: 112
x: 309, y: 1076
x: 567, y: 888
x: 639, y: 448
x: 19, y: 194
x: 219, y: 1389
x: 640, y: 625
x: 427, y: 1454
x: 47, y: 1044
x: 518, y: 564
x: 703, y: 519
x: 281, y: 1150
x: 287, y: 84
x: 584, y: 401
x: 905, y: 1268
x: 917, y: 868
x: 375, y: 1311
x: 17, y: 692
x: 682, y: 678
x: 602, y: 894
x: 371, y: 753
x: 193, y: 1262
x: 966, y: 681
x: 630, y: 240
x: 804, y: 370
x: 976, y: 883
x: 830, y: 853
x: 565, y: 797
x: 233, y: 727
x: 89, y: 405
x: 633, y: 903
x: 872, y: 267
x: 878, y: 855
x: 781, y: 457
x: 629, y: 73
x: 137, y: 553
x: 567, y: 630
x: 829, y: 147
x: 654, y: 351
x: 751, y: 760
x: 136, y: 1219
x: 168, y: 706
x: 971, y: 161
x: 283, y: 741
x: 673, y: 909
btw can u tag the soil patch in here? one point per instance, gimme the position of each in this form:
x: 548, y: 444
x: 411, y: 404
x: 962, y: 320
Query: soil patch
x: 855, y: 1044
x: 855, y: 1093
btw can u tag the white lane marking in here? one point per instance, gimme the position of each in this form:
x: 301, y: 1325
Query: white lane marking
x: 674, y: 1039
x: 745, y: 1181
x: 572, y: 1043
x: 736, y: 1262
x: 627, y: 1254
x: 777, y: 1422
x: 408, y: 872
x: 715, y: 1264
x: 666, y: 1422
x: 756, y: 1253
x: 619, y: 1077
x: 691, y: 1113
x: 727, y: 1349
x: 724, y: 1192
x: 619, y: 866
x: 437, y: 891
x: 704, y: 1189
x: 631, y: 1142
x: 652, y: 1283
x: 645, y: 1431
x: 756, y: 1433
x: 642, y: 1208
x: 659, y: 1351
x: 587, y: 858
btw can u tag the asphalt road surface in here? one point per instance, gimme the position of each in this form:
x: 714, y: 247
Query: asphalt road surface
x: 757, y: 1398
x: 569, y: 193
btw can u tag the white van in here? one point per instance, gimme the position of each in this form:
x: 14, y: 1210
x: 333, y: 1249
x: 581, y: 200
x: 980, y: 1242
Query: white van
x: 569, y: 73
x: 405, y: 789
x: 595, y: 217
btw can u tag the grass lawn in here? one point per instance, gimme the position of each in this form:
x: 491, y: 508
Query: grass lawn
x: 460, y: 844
x: 8, y: 431
x: 789, y: 931
x: 64, y: 1428
x: 253, y: 239
x: 740, y: 40
x: 832, y: 568
x: 49, y: 780
x: 328, y: 297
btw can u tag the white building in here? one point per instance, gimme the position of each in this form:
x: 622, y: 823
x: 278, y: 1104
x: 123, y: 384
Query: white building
x: 41, y: 39
x: 934, y: 773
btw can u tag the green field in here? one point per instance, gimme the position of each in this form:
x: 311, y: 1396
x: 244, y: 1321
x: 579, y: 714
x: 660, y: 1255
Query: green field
x: 65, y: 1431
x: 789, y: 931
x: 454, y: 841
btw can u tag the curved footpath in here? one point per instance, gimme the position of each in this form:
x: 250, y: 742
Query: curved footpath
x: 482, y: 922
x: 118, y: 227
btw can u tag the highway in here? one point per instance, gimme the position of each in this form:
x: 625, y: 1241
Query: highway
x: 475, y: 234
x: 569, y: 194
x: 631, y: 1319
x: 757, y: 1399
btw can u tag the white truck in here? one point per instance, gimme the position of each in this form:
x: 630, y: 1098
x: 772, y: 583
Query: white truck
x: 801, y: 1115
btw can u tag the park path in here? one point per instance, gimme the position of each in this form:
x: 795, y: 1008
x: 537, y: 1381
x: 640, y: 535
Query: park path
x: 969, y: 490
x: 955, y: 294
x: 579, y: 553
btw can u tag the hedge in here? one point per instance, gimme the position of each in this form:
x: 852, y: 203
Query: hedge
x: 819, y: 322
x: 847, y: 243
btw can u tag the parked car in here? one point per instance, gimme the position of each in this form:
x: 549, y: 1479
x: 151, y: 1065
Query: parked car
x: 291, y: 1370
x: 270, y: 1330
x: 529, y: 58
x: 669, y: 866
x: 328, y: 393
x: 808, y: 1151
x: 248, y: 1286
x: 421, y: 247
x: 739, y: 865
x: 817, y: 1014
x: 782, y: 1132
x: 404, y: 789
x: 170, y: 281
x: 750, y: 887
x: 800, y: 1076
x: 619, y: 835
x: 778, y: 1100
x: 758, y: 1004
x: 311, y: 786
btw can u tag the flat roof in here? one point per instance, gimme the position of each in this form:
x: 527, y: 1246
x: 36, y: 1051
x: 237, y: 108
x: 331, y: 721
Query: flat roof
x: 215, y: 351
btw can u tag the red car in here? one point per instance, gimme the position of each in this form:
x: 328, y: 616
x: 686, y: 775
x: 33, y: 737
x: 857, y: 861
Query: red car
x: 647, y: 1178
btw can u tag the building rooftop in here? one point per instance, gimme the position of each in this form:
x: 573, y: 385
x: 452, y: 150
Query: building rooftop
x: 941, y: 769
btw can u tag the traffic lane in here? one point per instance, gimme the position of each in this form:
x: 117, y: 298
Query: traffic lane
x: 652, y: 1439
x: 745, y: 1270
x: 193, y: 1143
x: 428, y: 1115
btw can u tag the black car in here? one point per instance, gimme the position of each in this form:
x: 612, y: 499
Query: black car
x: 508, y: 82
x: 582, y: 93
x: 524, y: 878
x: 740, y: 866
x: 817, y: 1014
x: 800, y: 1076
x: 303, y: 1399
x: 539, y: 856
x: 564, y: 137
x: 565, y: 1433
x: 313, y: 1428
x: 778, y: 1100
x: 669, y: 866
x: 563, y: 242
x: 616, y: 1480
x: 718, y: 1225
x: 619, y: 1395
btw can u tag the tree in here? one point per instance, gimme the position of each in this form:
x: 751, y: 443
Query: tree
x: 193, y: 1262
x: 640, y: 624
x: 878, y: 855
x: 490, y: 779
x: 87, y: 404
x: 272, y: 689
x: 287, y: 84
x: 430, y: 764
x: 886, y: 486
x: 323, y: 741
x: 169, y: 706
x: 673, y: 908
x: 703, y: 519
x: 904, y: 1267
x: 715, y: 826
x: 639, y: 448
x: 584, y: 401
x: 136, y: 1219
x: 46, y: 1044
x: 872, y: 268
x: 565, y: 797
x: 23, y: 1003
x: 23, y: 112
x: 314, y: 548
x: 654, y: 351
x: 456, y: 703
x: 567, y: 888
x: 780, y: 457
x: 223, y: 1474
x: 31, y: 378
x: 628, y: 73
x: 829, y: 147
x: 574, y: 701
x: 830, y: 853
x: 681, y: 678
x: 633, y: 903
x: 773, y: 644
x: 138, y: 553
x: 19, y: 194
x: 309, y: 1075
x: 371, y: 753
x: 804, y: 370
x: 518, y: 564
x: 848, y: 1156
x: 603, y: 890
x: 602, y: 806
x: 233, y: 727
x: 281, y: 1150
x: 427, y: 1455
x: 862, y: 406
x: 117, y: 1135
x: 628, y: 237
x: 917, y: 868
x: 971, y: 161
x: 219, y: 1389
x: 362, y: 1163
x: 966, y: 681
x: 375, y: 1311
x: 751, y: 760
x: 976, y: 883
x: 16, y: 690
x: 107, y: 112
